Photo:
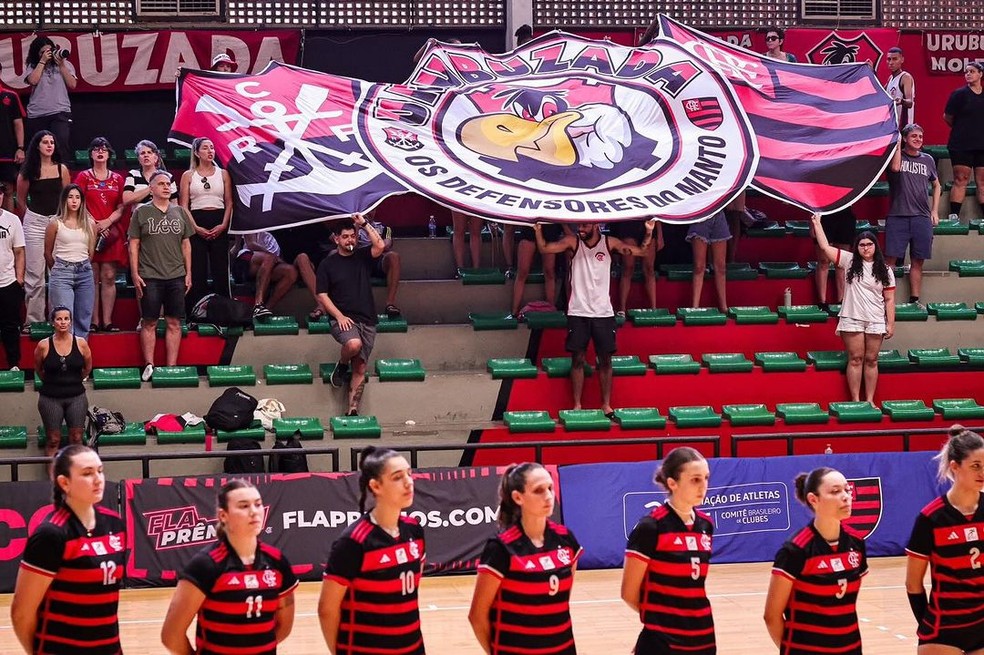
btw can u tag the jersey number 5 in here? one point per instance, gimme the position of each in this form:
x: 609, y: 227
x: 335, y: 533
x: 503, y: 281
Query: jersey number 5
x: 695, y: 568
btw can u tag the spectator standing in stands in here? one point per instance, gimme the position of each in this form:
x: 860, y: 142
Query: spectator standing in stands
x: 387, y: 266
x: 136, y: 187
x: 910, y: 221
x: 710, y: 237
x: 67, y: 592
x: 206, y: 193
x: 11, y: 142
x: 667, y: 559
x: 525, y: 251
x: 459, y: 223
x: 590, y: 317
x: 234, y: 616
x: 867, y: 316
x: 223, y: 63
x: 39, y: 186
x: 774, y: 38
x: 11, y: 283
x: 522, y: 592
x: 902, y: 87
x: 103, y: 192
x: 51, y: 77
x: 811, y: 603
x: 964, y: 113
x: 523, y: 34
x: 950, y: 620
x: 266, y: 267
x: 345, y: 293
x: 840, y: 228
x: 633, y: 233
x: 160, y: 265
x: 368, y: 600
x: 69, y: 243
x: 63, y: 361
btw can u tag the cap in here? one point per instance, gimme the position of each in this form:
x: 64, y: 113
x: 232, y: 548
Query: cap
x: 223, y: 58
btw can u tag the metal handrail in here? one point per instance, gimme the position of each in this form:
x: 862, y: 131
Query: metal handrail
x: 790, y: 437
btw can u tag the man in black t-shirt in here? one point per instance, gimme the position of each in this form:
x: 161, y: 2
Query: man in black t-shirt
x: 11, y: 142
x: 345, y: 293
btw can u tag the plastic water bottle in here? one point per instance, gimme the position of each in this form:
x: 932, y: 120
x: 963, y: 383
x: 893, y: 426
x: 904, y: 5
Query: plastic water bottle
x: 787, y: 297
x: 828, y: 450
x: 432, y: 228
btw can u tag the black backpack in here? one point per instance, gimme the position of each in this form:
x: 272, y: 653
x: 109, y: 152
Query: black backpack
x: 233, y: 410
x: 292, y: 462
x: 222, y: 311
x: 244, y: 463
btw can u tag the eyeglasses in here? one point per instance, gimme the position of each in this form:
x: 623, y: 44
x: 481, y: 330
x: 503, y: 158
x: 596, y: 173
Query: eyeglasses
x: 866, y: 244
x: 205, y: 184
x: 772, y: 38
x: 100, y: 149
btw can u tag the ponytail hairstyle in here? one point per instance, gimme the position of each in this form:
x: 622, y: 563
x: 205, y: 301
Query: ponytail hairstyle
x: 514, y: 479
x: 62, y: 465
x: 195, y: 145
x: 673, y: 465
x: 371, y: 468
x: 959, y: 446
x: 809, y: 483
x: 223, y: 499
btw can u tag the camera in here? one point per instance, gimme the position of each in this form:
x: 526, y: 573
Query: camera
x: 62, y: 54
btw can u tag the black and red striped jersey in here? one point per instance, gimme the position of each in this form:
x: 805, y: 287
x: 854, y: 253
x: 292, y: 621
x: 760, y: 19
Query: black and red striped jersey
x: 953, y: 544
x: 241, y: 601
x: 821, y: 614
x: 531, y: 611
x: 674, y: 602
x: 78, y: 611
x: 379, y: 612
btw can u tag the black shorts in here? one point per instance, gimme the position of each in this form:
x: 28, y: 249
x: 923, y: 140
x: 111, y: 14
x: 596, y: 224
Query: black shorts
x: 8, y: 173
x: 551, y: 233
x: 652, y: 643
x: 967, y: 640
x: 840, y: 227
x: 628, y: 230
x: 168, y: 295
x: 969, y: 158
x: 600, y: 331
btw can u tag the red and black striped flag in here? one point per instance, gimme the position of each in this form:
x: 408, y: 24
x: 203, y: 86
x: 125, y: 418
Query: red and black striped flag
x: 825, y: 133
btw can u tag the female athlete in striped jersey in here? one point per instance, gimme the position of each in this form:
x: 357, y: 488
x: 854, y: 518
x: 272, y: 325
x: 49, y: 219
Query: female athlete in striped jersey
x: 521, y: 603
x: 949, y: 537
x: 368, y: 601
x: 666, y: 563
x: 811, y: 603
x: 68, y: 586
x: 240, y: 589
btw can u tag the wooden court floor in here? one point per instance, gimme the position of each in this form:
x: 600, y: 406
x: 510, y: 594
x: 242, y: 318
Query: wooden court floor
x: 603, y: 625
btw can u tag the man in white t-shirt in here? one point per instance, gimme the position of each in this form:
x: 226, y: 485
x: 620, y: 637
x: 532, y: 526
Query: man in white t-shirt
x: 12, y: 266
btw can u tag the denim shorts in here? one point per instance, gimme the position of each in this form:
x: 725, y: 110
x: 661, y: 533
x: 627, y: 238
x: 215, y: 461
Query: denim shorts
x: 914, y: 233
x: 712, y: 230
x: 168, y: 295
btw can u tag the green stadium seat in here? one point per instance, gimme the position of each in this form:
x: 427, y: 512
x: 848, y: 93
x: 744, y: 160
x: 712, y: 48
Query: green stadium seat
x: 757, y: 315
x: 784, y: 270
x: 231, y: 376
x: 40, y: 330
x: 679, y: 272
x: 310, y: 427
x: 288, y: 374
x: 803, y: 314
x: 529, y: 421
x: 937, y: 152
x: 833, y: 309
x: 13, y: 436
x: 696, y: 416
x: 355, y: 427
x: 768, y: 229
x: 740, y: 271
x: 727, y: 362
x: 387, y: 325
x: 952, y: 311
x: 946, y: 226
x: 972, y: 356
x: 471, y: 276
x: 967, y: 267
x: 560, y: 367
x: 828, y: 360
x: 543, y: 320
x: 400, y: 370
x: 174, y: 376
x: 878, y: 189
x: 255, y: 432
x: 864, y: 225
x: 660, y: 317
x: 181, y: 155
x: 910, y: 311
x: 674, y: 364
x: 510, y: 368
x: 908, y: 410
x: 979, y: 307
x: 276, y: 325
x: 11, y: 380
x: 701, y: 316
x: 208, y: 330
x: 161, y: 328
x: 780, y: 362
x: 492, y: 322
x: 133, y: 434
x: 320, y: 326
x: 623, y: 365
x: 892, y: 360
x: 742, y: 415
x: 191, y: 434
x: 116, y: 378
x: 802, y: 413
x: 640, y: 418
x: 580, y: 420
x: 798, y: 228
x: 956, y: 409
x: 130, y: 155
x: 82, y: 156
x: 849, y: 411
x: 933, y: 357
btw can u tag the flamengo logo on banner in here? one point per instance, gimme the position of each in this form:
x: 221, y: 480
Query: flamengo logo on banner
x: 180, y: 527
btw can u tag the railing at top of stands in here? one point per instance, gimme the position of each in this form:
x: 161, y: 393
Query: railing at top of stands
x: 790, y: 438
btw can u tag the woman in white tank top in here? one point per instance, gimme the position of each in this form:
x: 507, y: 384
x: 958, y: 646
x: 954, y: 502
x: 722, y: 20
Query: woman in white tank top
x: 69, y: 241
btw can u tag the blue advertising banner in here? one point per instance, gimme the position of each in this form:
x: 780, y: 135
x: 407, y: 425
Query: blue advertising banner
x: 751, y: 501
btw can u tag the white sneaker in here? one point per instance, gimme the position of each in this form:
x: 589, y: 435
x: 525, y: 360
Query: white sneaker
x: 14, y: 369
x: 148, y: 373
x: 953, y: 218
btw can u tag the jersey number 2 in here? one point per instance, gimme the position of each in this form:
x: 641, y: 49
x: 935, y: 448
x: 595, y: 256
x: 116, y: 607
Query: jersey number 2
x: 975, y: 558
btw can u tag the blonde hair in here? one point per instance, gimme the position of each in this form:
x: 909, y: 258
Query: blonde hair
x: 83, y: 218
